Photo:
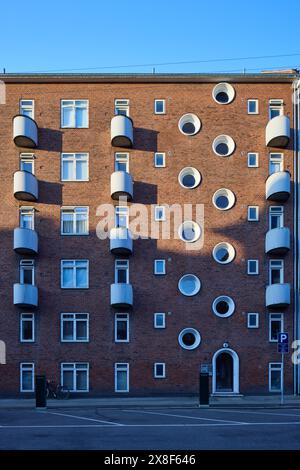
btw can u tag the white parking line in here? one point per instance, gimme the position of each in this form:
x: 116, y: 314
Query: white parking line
x: 259, y: 413
x: 184, y: 416
x: 82, y: 417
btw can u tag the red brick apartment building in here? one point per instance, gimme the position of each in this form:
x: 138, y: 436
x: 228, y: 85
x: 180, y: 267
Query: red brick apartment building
x: 144, y: 316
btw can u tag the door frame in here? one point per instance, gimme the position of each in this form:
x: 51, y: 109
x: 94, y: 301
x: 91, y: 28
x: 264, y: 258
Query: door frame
x: 236, y: 370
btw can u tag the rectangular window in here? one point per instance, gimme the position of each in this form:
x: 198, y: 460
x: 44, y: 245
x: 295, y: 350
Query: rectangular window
x: 159, y: 370
x: 27, y: 377
x: 121, y: 327
x: 27, y: 217
x: 74, y: 166
x: 252, y: 106
x: 253, y: 213
x: 27, y: 332
x: 276, y: 271
x: 252, y: 266
x: 159, y: 320
x: 122, y: 161
x: 122, y: 216
x: 252, y: 160
x: 27, y: 108
x: 276, y: 217
x: 159, y: 266
x: 275, y: 108
x: 252, y: 320
x: 75, y: 221
x: 159, y: 159
x: 27, y: 162
x: 122, y: 107
x: 160, y: 106
x: 27, y: 271
x: 121, y: 377
x: 275, y: 377
x: 74, y: 327
x: 159, y: 213
x: 74, y: 113
x: 275, y: 162
x: 74, y: 274
x: 75, y: 376
x: 122, y: 271
x: 275, y: 326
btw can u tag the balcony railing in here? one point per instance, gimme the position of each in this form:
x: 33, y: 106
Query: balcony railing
x: 121, y: 131
x: 25, y: 186
x: 25, y: 131
x: 120, y: 241
x: 25, y: 295
x: 278, y: 132
x: 277, y: 241
x: 121, y: 295
x: 121, y: 185
x: 25, y: 241
x: 278, y: 186
x: 278, y: 295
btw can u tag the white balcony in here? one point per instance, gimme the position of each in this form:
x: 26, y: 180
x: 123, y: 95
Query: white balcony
x: 121, y: 185
x: 121, y: 131
x: 120, y: 241
x: 25, y: 131
x: 278, y: 132
x: 278, y: 186
x: 277, y: 241
x: 25, y: 186
x: 25, y: 241
x: 25, y: 295
x: 278, y: 295
x: 121, y: 295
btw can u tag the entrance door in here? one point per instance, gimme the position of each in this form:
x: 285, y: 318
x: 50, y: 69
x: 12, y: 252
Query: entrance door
x: 224, y: 373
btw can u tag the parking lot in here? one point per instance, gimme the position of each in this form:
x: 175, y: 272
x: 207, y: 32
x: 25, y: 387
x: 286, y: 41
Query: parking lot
x: 150, y: 428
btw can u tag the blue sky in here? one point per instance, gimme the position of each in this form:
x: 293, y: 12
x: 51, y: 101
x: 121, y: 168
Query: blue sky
x: 102, y: 36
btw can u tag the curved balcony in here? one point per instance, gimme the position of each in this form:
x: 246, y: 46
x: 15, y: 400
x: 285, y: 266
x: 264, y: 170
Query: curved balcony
x: 25, y: 295
x: 121, y: 185
x: 25, y: 186
x: 121, y: 295
x: 25, y: 241
x: 25, y: 131
x: 278, y: 132
x: 120, y: 241
x: 278, y: 295
x: 278, y: 186
x: 277, y: 241
x: 121, y: 131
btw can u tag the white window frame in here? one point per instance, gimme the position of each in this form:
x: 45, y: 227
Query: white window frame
x: 273, y: 159
x: 253, y: 314
x: 164, y: 159
x: 121, y: 366
x: 253, y: 100
x: 121, y: 211
x: 73, y: 210
x: 281, y: 267
x: 27, y: 107
x: 275, y: 366
x: 67, y: 156
x: 157, y: 211
x: 74, y: 320
x: 26, y: 210
x: 160, y: 100
x: 249, y: 261
x: 156, y: 375
x: 24, y: 367
x: 256, y: 165
x: 256, y: 218
x: 24, y: 265
x: 156, y: 263
x: 156, y: 325
x: 272, y: 318
x: 29, y: 157
x: 276, y: 104
x: 74, y: 261
x: 122, y: 104
x: 23, y: 319
x: 122, y: 265
x: 73, y: 366
x: 277, y: 211
x: 122, y: 157
x: 74, y: 113
x: 122, y: 317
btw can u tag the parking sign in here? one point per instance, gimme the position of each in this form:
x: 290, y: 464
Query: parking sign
x: 283, y: 343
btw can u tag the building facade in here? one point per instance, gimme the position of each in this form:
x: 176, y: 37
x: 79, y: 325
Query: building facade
x: 142, y: 316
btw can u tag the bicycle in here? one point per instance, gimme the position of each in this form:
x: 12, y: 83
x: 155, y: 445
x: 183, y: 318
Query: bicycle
x: 57, y: 391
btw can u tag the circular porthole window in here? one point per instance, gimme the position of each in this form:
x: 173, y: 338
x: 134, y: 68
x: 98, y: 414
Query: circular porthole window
x: 223, y: 93
x: 223, y: 253
x: 189, y: 124
x: 189, y: 231
x: 189, y: 338
x: 223, y: 199
x: 223, y: 145
x: 189, y: 285
x: 223, y: 306
x: 189, y: 178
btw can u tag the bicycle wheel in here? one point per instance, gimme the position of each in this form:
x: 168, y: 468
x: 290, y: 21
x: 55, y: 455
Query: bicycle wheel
x: 62, y: 393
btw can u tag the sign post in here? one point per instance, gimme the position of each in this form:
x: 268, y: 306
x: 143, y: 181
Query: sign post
x: 283, y: 348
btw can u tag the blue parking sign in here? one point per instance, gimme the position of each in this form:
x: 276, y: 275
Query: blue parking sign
x: 283, y: 338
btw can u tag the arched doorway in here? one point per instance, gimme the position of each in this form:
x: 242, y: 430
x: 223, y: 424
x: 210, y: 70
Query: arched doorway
x: 225, y: 371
